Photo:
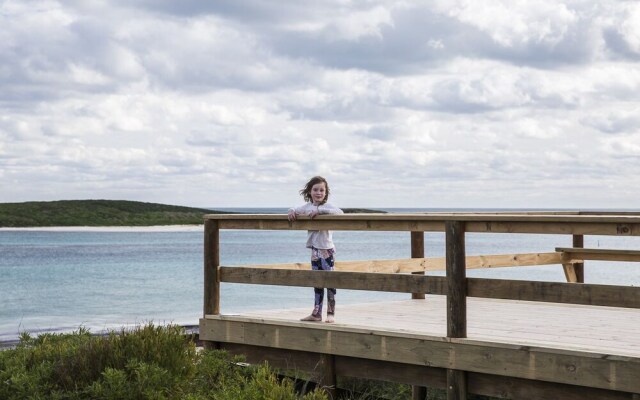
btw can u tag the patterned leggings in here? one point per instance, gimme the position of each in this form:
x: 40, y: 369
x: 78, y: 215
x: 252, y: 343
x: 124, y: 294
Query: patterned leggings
x: 324, y: 264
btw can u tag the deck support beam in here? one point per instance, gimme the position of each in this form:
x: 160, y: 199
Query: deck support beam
x: 456, y: 301
x: 328, y: 380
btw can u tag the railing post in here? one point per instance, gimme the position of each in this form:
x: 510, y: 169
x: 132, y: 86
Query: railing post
x: 578, y: 241
x: 417, y: 251
x: 456, y: 301
x: 211, y: 269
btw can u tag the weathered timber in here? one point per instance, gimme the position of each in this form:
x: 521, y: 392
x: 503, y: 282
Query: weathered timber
x: 578, y: 241
x: 622, y: 225
x: 556, y: 292
x: 618, y: 218
x: 503, y: 363
x: 211, y: 263
x: 456, y: 280
x: 430, y: 264
x: 340, y: 280
x: 517, y: 388
x: 328, y: 380
x: 420, y: 376
x: 415, y: 375
x: 456, y: 384
x: 574, y: 253
x: 570, y: 272
x: 456, y: 301
x: 417, y: 251
x: 546, y: 364
x: 286, y: 359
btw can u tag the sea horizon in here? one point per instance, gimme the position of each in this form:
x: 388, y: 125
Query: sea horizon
x: 57, y: 279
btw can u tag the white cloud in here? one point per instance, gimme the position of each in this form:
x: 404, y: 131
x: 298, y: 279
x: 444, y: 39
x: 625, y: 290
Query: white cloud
x: 449, y: 103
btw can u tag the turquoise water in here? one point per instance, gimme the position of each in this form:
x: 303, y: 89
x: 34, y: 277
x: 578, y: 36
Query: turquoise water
x: 59, y: 280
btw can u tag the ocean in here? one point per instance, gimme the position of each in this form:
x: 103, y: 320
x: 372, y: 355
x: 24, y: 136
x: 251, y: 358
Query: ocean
x: 61, y: 279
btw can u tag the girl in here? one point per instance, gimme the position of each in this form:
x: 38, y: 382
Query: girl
x: 316, y: 193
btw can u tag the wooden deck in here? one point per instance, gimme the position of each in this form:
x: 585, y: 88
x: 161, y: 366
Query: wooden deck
x: 510, y: 339
x: 513, y: 349
x: 603, y: 330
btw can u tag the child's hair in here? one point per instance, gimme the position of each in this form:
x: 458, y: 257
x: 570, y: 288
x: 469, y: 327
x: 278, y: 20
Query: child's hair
x: 306, y: 191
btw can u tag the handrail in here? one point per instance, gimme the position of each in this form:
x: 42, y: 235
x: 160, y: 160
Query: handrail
x: 392, y: 275
x: 618, y: 224
x: 551, y: 292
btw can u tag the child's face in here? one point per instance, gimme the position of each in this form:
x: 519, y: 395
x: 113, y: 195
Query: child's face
x: 318, y: 192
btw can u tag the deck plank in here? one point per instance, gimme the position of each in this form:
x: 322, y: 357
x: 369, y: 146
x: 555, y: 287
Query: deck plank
x: 604, y: 330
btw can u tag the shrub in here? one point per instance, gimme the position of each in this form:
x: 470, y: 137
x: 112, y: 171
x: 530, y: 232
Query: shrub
x: 149, y: 362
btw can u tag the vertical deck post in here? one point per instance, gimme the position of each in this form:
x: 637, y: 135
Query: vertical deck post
x: 417, y: 251
x: 456, y: 301
x: 574, y: 272
x: 328, y: 380
x: 211, y: 264
x: 578, y: 241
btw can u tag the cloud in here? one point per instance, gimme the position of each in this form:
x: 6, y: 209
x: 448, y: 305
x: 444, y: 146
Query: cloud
x: 448, y: 103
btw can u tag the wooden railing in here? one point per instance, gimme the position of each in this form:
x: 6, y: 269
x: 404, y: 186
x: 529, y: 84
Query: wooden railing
x: 392, y: 275
x: 407, y: 275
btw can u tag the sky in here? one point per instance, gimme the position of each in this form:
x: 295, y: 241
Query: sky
x: 440, y: 103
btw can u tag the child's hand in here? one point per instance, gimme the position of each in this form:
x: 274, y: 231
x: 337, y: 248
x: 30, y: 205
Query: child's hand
x: 314, y: 213
x: 291, y: 215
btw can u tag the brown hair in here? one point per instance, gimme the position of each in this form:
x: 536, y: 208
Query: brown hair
x: 306, y: 191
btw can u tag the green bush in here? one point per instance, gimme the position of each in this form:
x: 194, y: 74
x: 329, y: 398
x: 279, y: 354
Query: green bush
x: 149, y: 362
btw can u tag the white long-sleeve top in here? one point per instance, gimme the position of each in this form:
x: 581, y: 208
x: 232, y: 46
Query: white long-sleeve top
x: 318, y: 239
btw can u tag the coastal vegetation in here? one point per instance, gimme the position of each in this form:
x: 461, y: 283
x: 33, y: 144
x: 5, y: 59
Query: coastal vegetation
x: 97, y: 213
x: 149, y: 362
x: 158, y: 362
x: 105, y: 213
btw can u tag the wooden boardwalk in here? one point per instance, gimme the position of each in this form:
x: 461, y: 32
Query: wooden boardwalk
x: 510, y: 339
x: 604, y: 330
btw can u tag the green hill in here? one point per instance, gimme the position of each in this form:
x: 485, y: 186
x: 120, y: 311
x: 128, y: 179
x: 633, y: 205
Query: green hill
x: 106, y: 213
x: 97, y: 213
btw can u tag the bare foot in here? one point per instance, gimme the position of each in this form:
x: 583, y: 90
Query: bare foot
x: 330, y: 319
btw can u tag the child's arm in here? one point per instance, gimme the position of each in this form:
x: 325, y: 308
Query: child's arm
x: 293, y: 212
x: 326, y: 208
x: 329, y: 209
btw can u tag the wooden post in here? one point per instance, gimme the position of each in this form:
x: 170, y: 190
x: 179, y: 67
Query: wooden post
x: 456, y: 301
x: 211, y: 265
x: 328, y: 380
x: 417, y: 251
x: 574, y: 272
x: 578, y: 241
x: 456, y: 280
x: 211, y: 276
x: 456, y: 385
